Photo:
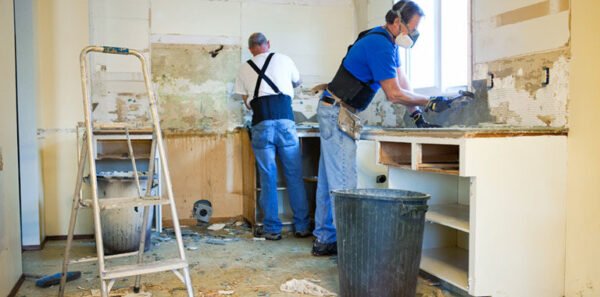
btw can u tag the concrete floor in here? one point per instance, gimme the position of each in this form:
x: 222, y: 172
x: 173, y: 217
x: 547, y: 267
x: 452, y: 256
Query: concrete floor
x: 233, y: 261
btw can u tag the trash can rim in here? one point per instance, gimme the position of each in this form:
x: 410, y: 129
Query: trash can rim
x: 387, y: 194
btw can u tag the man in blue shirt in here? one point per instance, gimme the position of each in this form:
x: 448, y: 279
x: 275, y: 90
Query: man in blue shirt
x: 370, y: 64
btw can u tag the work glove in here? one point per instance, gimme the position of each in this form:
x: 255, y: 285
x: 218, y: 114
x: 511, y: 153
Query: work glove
x: 438, y: 104
x: 420, y: 122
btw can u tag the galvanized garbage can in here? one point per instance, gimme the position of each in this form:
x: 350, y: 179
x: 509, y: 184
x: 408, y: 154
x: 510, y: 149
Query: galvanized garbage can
x: 379, y: 239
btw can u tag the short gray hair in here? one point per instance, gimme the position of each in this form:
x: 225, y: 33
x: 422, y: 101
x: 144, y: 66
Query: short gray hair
x: 257, y: 39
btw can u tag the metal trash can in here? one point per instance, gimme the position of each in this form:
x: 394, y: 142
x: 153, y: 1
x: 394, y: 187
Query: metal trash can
x: 379, y: 240
x: 122, y: 227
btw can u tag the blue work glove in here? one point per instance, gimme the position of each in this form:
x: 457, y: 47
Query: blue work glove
x: 438, y: 104
x: 420, y: 122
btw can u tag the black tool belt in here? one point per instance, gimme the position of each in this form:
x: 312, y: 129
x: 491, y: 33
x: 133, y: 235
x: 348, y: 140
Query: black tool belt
x: 273, y: 107
x: 351, y: 90
x: 332, y: 101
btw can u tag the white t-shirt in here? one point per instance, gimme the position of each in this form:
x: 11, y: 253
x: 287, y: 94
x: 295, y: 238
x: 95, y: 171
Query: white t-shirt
x: 282, y: 71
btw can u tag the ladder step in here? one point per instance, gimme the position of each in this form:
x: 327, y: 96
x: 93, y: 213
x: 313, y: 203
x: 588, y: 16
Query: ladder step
x: 93, y: 259
x: 144, y: 268
x: 125, y: 202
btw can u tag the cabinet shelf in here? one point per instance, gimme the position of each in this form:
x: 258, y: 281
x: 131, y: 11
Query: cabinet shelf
x: 438, y: 158
x: 396, y: 154
x: 449, y: 264
x: 455, y: 216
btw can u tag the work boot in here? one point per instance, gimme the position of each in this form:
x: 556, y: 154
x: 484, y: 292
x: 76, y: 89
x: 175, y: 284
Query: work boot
x: 260, y: 233
x: 303, y: 234
x: 420, y: 122
x: 324, y: 249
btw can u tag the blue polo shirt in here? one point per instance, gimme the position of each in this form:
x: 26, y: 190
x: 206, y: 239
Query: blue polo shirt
x: 373, y: 58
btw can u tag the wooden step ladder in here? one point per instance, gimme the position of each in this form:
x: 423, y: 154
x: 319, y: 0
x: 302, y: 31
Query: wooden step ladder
x: 108, y: 275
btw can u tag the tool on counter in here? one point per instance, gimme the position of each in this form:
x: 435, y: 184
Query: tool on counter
x: 87, y: 163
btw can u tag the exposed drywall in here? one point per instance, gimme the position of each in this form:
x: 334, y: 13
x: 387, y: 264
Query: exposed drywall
x: 61, y: 31
x: 519, y: 97
x: 377, y: 9
x: 118, y: 85
x: 583, y: 203
x: 313, y: 33
x: 10, y: 237
x: 120, y: 98
x: 503, y: 29
x: 195, y: 88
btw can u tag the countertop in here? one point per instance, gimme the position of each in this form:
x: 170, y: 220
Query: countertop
x: 371, y: 132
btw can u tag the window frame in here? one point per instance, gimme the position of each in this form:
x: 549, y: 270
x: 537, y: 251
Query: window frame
x: 437, y: 90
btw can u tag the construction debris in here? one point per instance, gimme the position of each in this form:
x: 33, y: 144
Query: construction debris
x: 216, y: 227
x: 120, y: 293
x: 304, y: 286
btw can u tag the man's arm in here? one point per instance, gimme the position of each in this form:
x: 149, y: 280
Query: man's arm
x: 405, y: 85
x: 396, y: 94
x: 296, y: 84
x: 296, y: 80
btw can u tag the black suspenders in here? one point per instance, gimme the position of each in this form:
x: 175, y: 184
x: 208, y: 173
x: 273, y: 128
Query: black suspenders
x: 262, y: 76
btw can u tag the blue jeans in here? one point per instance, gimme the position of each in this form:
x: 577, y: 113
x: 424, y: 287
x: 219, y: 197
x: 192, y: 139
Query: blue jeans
x: 279, y: 137
x: 337, y: 170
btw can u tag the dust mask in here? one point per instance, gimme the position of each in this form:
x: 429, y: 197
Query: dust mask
x: 404, y: 41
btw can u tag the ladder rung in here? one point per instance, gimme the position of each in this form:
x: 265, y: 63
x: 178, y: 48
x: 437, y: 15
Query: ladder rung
x: 92, y: 259
x: 125, y: 202
x: 144, y: 268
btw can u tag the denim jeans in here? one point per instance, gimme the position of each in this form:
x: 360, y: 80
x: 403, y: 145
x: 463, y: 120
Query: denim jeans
x: 273, y: 138
x: 337, y: 170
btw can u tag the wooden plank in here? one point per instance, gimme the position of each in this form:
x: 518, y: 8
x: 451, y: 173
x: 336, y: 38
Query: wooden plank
x: 207, y: 166
x: 248, y: 178
x: 373, y: 133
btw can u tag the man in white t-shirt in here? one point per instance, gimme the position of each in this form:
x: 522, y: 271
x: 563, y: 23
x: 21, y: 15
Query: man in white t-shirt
x: 266, y: 82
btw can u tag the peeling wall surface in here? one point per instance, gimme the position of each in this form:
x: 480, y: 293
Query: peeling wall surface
x: 195, y: 88
x: 511, y: 41
x: 519, y: 97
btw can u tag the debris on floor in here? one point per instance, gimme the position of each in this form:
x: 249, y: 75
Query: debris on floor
x: 304, y: 287
x: 229, y: 292
x: 124, y: 292
x: 225, y: 260
x: 216, y: 227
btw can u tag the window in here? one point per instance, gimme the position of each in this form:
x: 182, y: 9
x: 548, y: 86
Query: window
x: 439, y: 61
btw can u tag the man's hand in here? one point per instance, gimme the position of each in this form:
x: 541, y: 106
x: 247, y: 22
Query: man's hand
x: 420, y: 122
x: 438, y: 104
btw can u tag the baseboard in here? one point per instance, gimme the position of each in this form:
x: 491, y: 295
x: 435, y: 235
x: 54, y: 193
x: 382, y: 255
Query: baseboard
x: 17, y: 286
x: 29, y: 248
x: 64, y: 237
